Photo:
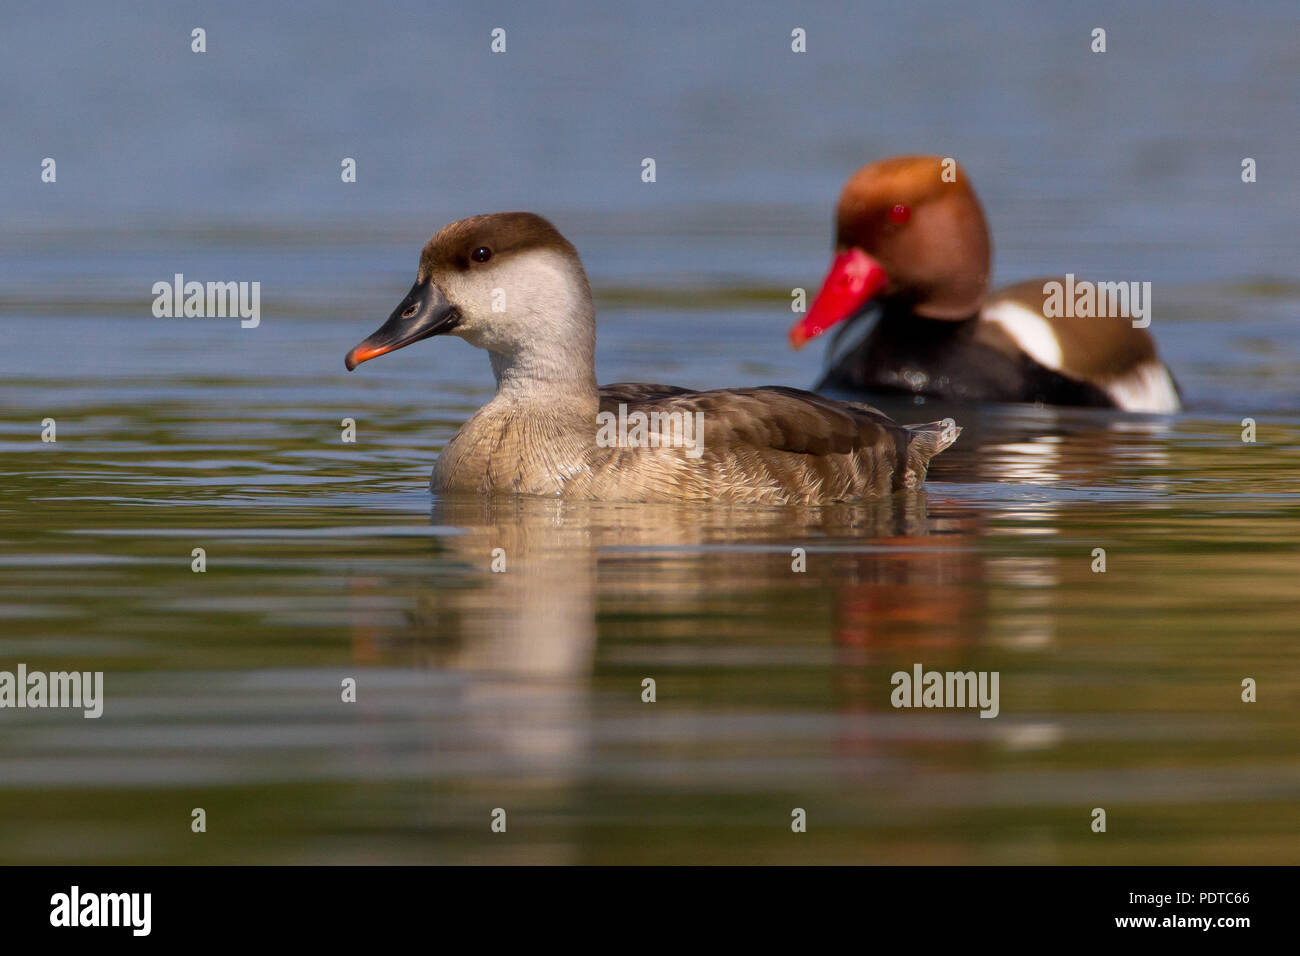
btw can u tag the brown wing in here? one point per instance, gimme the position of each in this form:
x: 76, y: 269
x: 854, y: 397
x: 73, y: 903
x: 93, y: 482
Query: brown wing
x: 773, y: 444
x: 635, y: 393
x: 1094, y: 350
x: 772, y: 417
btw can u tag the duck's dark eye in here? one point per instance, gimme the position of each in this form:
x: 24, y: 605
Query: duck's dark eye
x: 481, y: 254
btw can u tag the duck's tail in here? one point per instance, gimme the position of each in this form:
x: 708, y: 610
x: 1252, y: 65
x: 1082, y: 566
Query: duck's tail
x: 924, y: 442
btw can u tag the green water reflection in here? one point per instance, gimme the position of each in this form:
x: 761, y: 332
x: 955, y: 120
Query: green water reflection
x: 522, y: 689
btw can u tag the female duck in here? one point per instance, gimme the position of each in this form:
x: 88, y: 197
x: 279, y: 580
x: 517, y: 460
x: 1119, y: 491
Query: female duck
x: 510, y: 284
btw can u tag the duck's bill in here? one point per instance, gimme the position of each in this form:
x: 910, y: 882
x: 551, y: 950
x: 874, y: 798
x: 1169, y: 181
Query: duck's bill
x: 424, y: 312
x: 854, y: 280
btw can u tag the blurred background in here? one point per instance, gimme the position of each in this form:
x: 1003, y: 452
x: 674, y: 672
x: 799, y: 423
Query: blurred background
x: 522, y: 690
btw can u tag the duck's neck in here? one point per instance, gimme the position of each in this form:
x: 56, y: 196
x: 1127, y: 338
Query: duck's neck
x: 558, y: 378
x: 537, y: 377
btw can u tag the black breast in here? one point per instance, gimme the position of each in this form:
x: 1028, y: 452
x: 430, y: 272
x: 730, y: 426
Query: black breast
x: 904, y: 353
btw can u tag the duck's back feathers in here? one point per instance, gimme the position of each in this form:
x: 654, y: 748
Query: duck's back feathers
x: 1105, y: 352
x: 772, y: 444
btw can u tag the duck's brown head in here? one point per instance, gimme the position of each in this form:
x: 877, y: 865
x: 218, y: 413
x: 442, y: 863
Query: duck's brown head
x: 909, y: 229
x: 499, y: 281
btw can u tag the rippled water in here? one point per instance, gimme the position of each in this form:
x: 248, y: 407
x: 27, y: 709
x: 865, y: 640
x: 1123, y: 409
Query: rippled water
x: 522, y: 690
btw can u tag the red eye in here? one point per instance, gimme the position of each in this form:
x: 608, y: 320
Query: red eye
x: 900, y: 214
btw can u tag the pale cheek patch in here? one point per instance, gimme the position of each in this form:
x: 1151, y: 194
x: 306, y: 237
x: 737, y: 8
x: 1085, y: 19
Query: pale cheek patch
x: 1028, y: 330
x: 470, y: 294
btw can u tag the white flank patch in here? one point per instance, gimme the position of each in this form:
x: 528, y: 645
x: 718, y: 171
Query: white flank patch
x: 1028, y: 330
x: 1148, y: 388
